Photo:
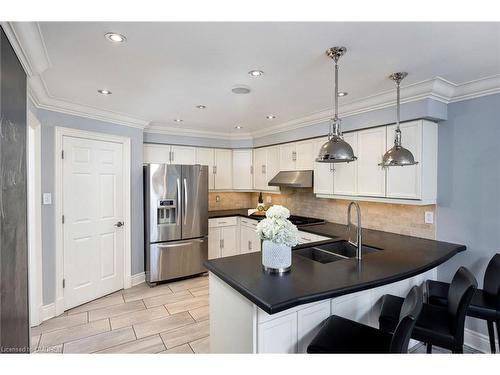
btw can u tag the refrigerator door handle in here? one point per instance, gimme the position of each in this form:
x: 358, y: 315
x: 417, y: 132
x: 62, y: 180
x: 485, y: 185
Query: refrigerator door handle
x: 178, y: 199
x: 185, y: 201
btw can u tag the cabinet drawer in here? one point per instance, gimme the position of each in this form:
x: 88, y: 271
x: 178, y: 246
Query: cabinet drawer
x: 222, y: 222
x: 305, y: 237
x: 249, y: 222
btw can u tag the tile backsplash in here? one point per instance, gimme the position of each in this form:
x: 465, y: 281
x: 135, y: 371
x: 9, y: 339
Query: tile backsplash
x: 395, y: 218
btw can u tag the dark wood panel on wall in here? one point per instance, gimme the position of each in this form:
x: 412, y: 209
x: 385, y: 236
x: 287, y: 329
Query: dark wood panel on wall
x: 14, y: 314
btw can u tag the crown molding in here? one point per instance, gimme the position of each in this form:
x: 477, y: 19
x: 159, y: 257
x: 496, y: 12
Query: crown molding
x: 27, y: 41
x: 158, y: 128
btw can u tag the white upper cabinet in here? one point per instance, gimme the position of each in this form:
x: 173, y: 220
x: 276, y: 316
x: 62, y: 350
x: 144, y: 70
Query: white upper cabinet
x: 371, y: 148
x: 417, y: 181
x: 404, y: 182
x: 323, y: 173
x: 223, y: 161
x: 272, y: 166
x: 266, y: 166
x: 167, y: 154
x: 345, y: 175
x: 183, y: 155
x: 306, y: 154
x: 242, y: 169
x: 158, y: 154
x: 205, y: 156
x: 288, y: 156
x: 297, y: 156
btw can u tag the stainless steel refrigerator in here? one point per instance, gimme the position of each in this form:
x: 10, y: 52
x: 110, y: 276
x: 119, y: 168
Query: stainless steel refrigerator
x: 175, y: 220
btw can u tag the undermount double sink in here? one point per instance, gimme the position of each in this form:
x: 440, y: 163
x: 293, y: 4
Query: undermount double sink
x: 332, y: 252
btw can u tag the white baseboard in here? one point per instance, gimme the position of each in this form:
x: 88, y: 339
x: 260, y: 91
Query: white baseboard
x: 138, y: 278
x: 48, y: 311
x: 477, y: 340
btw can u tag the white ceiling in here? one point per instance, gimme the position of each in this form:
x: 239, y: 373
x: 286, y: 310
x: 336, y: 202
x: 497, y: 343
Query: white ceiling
x: 165, y: 69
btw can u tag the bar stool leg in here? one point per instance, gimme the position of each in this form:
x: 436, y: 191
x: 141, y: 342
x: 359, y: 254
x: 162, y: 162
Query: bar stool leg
x: 491, y: 334
x: 429, y: 348
x: 498, y: 332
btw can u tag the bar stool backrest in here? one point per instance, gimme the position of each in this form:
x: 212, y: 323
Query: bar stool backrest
x: 491, y: 283
x: 462, y: 288
x: 412, y: 306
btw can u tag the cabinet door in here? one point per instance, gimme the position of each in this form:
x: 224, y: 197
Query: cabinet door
x: 242, y: 169
x: 306, y: 154
x: 309, y: 322
x: 345, y: 175
x: 371, y: 149
x: 256, y: 244
x: 404, y: 182
x: 272, y: 166
x: 278, y: 335
x: 259, y: 170
x: 156, y: 154
x: 288, y: 156
x: 245, y: 240
x: 223, y: 169
x: 183, y: 155
x: 205, y: 156
x: 323, y: 173
x: 355, y: 306
x: 229, y: 245
x: 214, y: 242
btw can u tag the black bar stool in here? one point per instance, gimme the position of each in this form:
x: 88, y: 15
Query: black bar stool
x: 485, y: 302
x: 437, y: 325
x: 341, y: 335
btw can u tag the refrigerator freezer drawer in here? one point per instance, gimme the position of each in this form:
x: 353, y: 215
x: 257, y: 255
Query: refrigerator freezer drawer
x: 170, y: 260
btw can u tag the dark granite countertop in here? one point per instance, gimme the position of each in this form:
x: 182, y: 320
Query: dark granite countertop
x: 309, y: 281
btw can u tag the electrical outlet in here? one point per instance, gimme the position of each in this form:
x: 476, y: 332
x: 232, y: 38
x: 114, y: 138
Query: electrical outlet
x: 269, y: 199
x: 47, y: 198
x: 217, y: 198
x: 429, y: 217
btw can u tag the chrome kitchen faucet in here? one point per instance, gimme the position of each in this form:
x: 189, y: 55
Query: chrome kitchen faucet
x: 358, y: 242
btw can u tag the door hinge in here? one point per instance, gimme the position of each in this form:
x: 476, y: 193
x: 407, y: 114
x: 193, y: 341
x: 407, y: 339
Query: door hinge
x: 62, y: 154
x: 62, y: 219
x: 64, y: 283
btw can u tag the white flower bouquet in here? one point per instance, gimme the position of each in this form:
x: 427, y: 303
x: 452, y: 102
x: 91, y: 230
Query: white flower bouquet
x: 277, y: 228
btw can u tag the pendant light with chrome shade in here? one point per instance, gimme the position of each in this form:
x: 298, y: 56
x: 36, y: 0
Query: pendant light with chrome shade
x: 398, y: 155
x: 336, y: 150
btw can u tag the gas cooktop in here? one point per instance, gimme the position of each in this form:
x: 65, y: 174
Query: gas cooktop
x: 303, y: 220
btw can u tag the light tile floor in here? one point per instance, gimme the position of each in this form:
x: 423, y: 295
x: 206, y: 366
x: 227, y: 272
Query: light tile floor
x: 169, y: 318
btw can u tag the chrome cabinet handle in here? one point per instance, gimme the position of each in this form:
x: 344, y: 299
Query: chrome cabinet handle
x: 221, y: 243
x: 294, y: 155
x: 250, y: 245
x: 119, y: 224
x: 215, y: 169
x: 251, y: 169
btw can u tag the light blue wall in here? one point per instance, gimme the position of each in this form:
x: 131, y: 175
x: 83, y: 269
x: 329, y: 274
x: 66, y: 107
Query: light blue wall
x: 468, y: 209
x: 49, y: 121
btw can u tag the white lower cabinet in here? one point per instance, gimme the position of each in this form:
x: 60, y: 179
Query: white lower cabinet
x: 223, y: 237
x: 249, y: 242
x: 278, y: 335
x: 355, y: 306
x: 309, y: 322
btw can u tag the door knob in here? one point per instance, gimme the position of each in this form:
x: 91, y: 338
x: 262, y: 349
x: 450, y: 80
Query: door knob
x: 119, y: 224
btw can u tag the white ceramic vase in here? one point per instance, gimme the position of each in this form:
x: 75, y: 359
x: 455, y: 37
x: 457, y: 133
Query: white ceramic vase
x: 276, y: 258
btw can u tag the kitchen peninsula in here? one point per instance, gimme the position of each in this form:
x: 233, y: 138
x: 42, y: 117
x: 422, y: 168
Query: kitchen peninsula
x: 255, y: 312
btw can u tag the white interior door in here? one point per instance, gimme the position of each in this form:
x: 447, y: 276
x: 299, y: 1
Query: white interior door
x: 93, y: 191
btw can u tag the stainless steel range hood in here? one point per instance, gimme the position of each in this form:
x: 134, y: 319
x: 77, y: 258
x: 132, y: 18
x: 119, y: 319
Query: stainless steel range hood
x: 293, y: 179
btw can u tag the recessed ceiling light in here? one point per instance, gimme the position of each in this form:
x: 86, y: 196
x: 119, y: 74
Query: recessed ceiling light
x: 256, y: 73
x: 104, y: 92
x: 271, y: 117
x: 115, y: 37
x: 342, y: 93
x: 240, y: 89
x: 238, y: 127
x: 178, y: 120
x: 201, y: 106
